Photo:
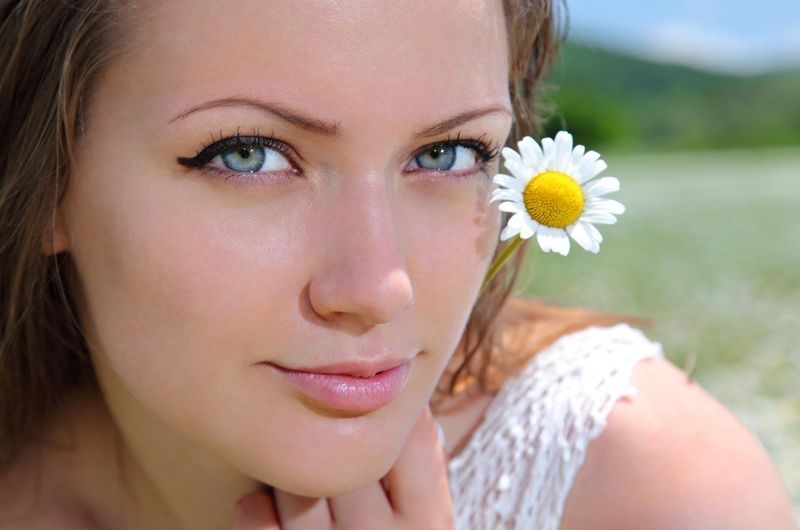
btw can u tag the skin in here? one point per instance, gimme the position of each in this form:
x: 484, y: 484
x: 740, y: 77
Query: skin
x: 188, y: 281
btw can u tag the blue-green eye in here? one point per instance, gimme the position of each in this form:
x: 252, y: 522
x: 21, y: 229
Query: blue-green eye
x: 243, y: 154
x: 452, y: 157
x: 252, y: 159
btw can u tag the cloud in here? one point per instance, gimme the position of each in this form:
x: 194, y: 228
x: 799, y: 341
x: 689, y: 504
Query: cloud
x: 716, y: 50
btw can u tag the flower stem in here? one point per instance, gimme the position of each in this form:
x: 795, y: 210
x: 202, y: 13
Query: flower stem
x: 500, y: 261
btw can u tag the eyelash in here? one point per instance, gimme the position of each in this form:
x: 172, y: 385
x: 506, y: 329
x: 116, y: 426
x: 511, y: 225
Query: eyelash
x: 223, y: 144
x: 485, y: 150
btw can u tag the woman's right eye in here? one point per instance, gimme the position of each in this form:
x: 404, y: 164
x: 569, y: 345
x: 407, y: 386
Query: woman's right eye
x: 251, y: 159
x: 242, y: 155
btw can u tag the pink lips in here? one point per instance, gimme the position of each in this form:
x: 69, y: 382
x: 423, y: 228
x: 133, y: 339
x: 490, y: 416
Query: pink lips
x: 348, y: 392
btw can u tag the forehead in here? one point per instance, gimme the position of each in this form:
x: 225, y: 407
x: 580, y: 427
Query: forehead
x: 333, y: 57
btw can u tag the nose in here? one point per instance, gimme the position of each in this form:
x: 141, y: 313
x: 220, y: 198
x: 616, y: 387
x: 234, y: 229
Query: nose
x: 363, y: 271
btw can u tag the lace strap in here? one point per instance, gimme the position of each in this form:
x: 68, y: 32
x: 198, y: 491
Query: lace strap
x: 519, y: 465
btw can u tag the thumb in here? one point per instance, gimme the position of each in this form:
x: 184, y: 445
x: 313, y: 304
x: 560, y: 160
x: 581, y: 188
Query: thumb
x: 255, y: 511
x: 418, y: 483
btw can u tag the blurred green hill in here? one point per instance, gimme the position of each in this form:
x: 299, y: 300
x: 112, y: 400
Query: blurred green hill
x: 615, y: 101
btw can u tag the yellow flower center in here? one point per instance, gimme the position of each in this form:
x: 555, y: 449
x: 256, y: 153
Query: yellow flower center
x: 554, y: 199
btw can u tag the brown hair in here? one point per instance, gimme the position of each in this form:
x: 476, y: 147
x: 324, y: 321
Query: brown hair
x: 51, y: 52
x: 503, y: 333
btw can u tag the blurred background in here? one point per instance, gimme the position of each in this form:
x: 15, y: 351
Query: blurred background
x: 695, y: 105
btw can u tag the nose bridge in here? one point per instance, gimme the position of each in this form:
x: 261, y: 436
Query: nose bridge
x: 366, y: 215
x: 367, y: 272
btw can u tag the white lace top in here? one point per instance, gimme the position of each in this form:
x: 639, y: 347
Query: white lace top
x: 519, y: 465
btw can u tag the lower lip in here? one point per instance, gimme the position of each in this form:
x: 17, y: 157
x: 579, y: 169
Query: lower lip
x: 347, y: 392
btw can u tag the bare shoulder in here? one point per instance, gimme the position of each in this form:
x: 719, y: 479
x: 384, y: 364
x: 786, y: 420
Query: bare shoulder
x: 674, y: 457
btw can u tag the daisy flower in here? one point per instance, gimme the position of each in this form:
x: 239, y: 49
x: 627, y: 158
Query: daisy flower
x: 551, y: 194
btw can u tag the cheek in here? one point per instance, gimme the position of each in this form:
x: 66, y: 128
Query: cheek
x: 182, y: 297
x: 454, y: 235
x: 182, y: 293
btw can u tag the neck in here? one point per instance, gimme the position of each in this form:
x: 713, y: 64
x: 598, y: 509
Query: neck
x: 163, y: 481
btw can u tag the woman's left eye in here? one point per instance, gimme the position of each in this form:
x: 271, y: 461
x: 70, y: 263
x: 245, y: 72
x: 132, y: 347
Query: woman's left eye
x: 452, y: 157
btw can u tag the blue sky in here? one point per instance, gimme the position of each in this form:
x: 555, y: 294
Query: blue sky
x: 735, y: 36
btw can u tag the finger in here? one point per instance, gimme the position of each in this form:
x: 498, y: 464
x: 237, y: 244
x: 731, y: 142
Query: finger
x: 370, y: 503
x: 302, y: 513
x: 418, y: 483
x: 255, y: 511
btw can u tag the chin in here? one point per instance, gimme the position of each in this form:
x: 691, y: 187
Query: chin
x: 340, y: 478
x: 326, y: 465
x: 304, y: 453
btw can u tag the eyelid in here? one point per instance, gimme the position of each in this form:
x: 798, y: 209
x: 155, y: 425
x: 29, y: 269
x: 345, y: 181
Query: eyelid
x: 217, y: 147
x: 486, y: 151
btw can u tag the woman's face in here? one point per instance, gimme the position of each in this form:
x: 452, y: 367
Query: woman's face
x: 346, y: 238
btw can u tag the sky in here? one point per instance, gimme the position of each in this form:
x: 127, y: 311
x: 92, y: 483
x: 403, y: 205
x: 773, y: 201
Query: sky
x: 731, y: 36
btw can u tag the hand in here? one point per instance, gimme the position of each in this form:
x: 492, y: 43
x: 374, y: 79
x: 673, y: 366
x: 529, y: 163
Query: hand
x: 416, y: 495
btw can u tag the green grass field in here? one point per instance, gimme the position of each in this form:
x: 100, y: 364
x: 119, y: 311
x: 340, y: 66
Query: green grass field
x: 709, y: 249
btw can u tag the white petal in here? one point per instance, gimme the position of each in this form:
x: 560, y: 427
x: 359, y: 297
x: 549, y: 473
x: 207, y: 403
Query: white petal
x: 535, y: 172
x: 560, y: 242
x: 577, y: 154
x: 530, y: 150
x: 563, y: 162
x: 517, y: 169
x: 533, y: 225
x: 587, y: 166
x: 549, y: 148
x: 605, y: 205
x: 548, y: 238
x: 510, y: 154
x: 509, y: 182
x: 543, y: 239
x: 506, y: 195
x: 564, y: 139
x: 508, y: 232
x: 512, y: 207
x: 526, y: 231
x: 603, y: 218
x: 590, y: 170
x: 570, y: 164
x: 594, y: 233
x: 579, y: 233
x: 601, y: 187
x: 563, y: 155
x: 517, y: 220
x: 590, y: 157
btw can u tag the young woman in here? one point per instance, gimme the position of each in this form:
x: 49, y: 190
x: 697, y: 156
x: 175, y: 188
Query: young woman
x: 209, y: 208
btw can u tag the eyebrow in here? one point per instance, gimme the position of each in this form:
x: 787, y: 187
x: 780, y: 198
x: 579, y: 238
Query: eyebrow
x: 325, y: 128
x: 295, y: 118
x: 460, y: 119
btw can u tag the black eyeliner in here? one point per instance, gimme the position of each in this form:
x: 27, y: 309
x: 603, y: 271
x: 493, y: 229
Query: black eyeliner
x: 486, y: 152
x: 223, y: 145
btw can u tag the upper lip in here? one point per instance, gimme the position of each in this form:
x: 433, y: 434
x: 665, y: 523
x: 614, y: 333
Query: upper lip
x: 356, y: 368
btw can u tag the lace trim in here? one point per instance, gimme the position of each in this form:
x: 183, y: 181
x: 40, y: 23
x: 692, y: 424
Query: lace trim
x: 518, y: 467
